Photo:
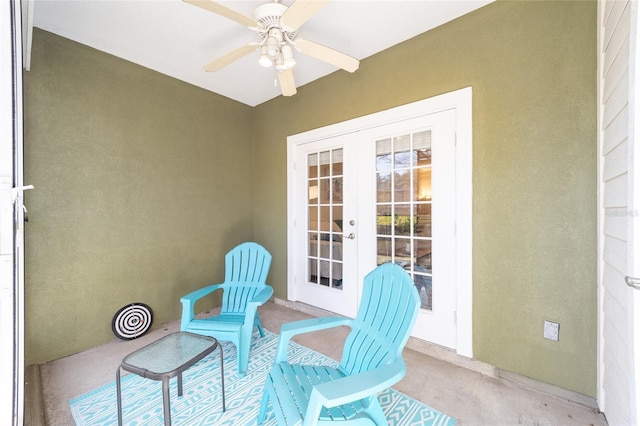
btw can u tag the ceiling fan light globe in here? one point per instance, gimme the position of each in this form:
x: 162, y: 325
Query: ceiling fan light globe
x: 265, y: 61
x: 287, y: 56
x: 290, y: 62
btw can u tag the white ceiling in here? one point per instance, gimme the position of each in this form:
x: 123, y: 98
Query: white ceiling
x: 178, y: 39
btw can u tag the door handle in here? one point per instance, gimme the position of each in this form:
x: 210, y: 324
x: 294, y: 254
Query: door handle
x: 632, y: 282
x: 351, y: 236
x: 17, y: 190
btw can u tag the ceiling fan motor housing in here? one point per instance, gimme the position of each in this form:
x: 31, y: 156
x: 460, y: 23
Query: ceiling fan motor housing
x: 268, y: 15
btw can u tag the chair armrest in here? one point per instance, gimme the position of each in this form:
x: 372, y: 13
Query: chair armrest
x: 200, y: 293
x: 353, y: 388
x: 288, y: 330
x: 262, y: 297
x: 252, y: 306
x: 189, y: 301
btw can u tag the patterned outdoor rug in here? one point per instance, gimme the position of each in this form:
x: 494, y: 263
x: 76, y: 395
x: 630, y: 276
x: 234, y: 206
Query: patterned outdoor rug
x: 201, y: 403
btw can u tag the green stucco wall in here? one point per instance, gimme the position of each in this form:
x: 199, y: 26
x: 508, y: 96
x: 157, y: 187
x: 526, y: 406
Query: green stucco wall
x: 142, y: 184
x: 532, y: 67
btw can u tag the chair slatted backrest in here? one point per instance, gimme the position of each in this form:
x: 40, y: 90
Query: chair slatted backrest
x: 246, y: 270
x: 386, y: 315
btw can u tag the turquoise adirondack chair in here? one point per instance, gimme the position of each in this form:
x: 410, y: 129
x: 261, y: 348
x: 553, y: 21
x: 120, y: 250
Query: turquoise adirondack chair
x: 244, y: 289
x: 371, y: 359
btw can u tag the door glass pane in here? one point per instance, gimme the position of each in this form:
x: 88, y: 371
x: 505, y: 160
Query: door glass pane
x: 325, y: 218
x: 337, y: 219
x: 401, y: 186
x: 423, y: 254
x: 403, y: 220
x: 422, y: 179
x: 325, y: 163
x: 337, y: 189
x: 384, y: 249
x: 403, y: 207
x: 383, y: 154
x: 402, y: 152
x: 313, y: 218
x: 384, y: 219
x: 313, y: 165
x: 422, y: 148
x: 325, y: 190
x: 422, y: 218
x: 313, y: 191
x: 383, y: 187
x: 336, y: 162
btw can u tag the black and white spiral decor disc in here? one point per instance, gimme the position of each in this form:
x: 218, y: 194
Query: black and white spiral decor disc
x: 132, y: 321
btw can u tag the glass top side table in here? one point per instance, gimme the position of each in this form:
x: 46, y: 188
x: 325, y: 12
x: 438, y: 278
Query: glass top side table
x: 166, y: 358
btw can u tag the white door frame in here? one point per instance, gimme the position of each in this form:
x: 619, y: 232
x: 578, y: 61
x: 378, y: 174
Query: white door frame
x: 633, y: 259
x: 11, y: 218
x: 461, y: 102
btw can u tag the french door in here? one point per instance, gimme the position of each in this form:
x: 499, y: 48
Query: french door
x: 326, y: 212
x: 413, y: 178
x: 372, y: 196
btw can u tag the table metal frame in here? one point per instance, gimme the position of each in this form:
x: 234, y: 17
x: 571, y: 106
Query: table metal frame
x: 165, y: 376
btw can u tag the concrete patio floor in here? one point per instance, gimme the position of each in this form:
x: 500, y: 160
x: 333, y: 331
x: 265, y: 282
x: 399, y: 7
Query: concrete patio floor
x: 474, y: 396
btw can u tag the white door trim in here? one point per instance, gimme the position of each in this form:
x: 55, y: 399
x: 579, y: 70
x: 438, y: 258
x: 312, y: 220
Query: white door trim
x: 11, y: 219
x: 461, y: 102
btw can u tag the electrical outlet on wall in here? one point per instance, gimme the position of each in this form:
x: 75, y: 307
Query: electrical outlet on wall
x: 551, y: 330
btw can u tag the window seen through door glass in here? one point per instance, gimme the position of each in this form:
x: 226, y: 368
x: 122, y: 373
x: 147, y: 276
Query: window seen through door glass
x: 403, y: 207
x: 324, y: 226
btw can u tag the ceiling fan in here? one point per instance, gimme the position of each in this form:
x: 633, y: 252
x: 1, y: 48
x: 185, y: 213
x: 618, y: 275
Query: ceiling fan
x: 277, y: 26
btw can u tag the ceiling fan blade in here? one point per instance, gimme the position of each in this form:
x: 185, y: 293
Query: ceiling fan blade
x: 221, y: 10
x: 287, y: 83
x: 327, y: 54
x: 299, y: 12
x: 232, y: 56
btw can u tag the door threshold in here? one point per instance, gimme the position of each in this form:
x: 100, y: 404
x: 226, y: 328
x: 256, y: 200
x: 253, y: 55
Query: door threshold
x: 307, y: 309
